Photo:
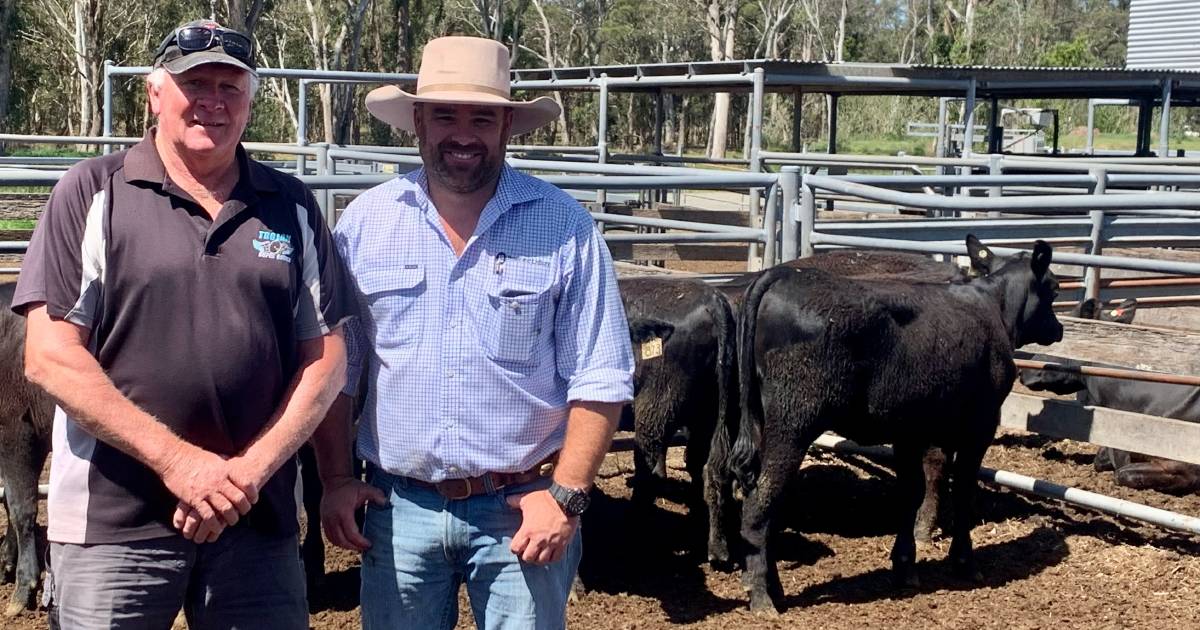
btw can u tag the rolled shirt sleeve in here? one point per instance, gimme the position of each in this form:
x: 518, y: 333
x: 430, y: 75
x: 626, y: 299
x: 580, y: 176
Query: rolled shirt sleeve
x: 343, y: 239
x: 594, y: 355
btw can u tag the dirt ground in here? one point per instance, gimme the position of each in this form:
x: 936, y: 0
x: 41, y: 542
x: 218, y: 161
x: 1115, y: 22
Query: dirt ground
x: 1046, y: 565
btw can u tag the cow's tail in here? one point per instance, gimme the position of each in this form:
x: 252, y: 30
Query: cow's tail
x: 744, y: 459
x: 727, y: 394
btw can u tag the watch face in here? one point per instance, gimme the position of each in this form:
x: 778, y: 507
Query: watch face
x: 577, y: 503
x: 573, y: 501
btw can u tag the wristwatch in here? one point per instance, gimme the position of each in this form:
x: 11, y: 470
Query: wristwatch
x: 573, y: 501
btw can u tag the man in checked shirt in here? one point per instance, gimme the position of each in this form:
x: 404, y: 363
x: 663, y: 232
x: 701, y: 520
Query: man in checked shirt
x: 498, y: 360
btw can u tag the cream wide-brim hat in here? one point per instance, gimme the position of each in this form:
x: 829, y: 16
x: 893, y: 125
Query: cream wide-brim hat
x: 461, y: 71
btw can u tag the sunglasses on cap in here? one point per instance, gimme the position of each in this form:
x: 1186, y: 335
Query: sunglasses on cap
x: 190, y: 39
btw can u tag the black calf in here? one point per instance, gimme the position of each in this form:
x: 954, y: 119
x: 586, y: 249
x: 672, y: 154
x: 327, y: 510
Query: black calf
x: 818, y: 353
x: 683, y: 335
x: 26, y: 414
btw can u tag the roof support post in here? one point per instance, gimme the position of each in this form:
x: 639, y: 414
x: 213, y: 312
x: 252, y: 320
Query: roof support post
x: 1164, y: 125
x: 1145, y: 116
x: 833, y: 122
x: 1091, y: 129
x: 969, y: 120
x: 995, y: 135
x: 797, y: 118
x: 659, y: 117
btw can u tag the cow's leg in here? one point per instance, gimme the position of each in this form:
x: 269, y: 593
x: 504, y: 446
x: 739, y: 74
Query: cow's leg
x: 1103, y: 460
x: 910, y: 488
x: 761, y: 576
x: 312, y: 549
x: 964, y: 482
x: 718, y: 495
x: 649, y: 456
x: 700, y: 437
x: 21, y: 477
x: 8, y: 547
x: 934, y: 465
x: 1160, y: 474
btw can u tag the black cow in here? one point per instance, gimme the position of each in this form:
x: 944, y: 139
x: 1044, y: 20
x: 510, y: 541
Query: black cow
x: 26, y: 415
x: 877, y: 361
x: 858, y: 264
x: 1181, y: 402
x: 684, y: 344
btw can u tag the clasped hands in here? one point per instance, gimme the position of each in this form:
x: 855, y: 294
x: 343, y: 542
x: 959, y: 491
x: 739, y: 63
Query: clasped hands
x: 214, y: 492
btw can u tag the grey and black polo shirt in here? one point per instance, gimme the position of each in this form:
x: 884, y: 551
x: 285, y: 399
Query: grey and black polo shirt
x: 197, y: 321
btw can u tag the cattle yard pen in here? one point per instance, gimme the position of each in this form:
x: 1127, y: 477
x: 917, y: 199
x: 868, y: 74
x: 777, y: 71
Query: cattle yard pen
x: 1091, y: 204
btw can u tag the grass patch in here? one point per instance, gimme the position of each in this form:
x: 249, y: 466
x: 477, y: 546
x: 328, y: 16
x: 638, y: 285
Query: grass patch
x: 17, y: 224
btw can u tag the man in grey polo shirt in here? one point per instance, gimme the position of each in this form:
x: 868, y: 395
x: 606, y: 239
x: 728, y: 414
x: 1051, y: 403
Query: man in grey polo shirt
x: 183, y: 306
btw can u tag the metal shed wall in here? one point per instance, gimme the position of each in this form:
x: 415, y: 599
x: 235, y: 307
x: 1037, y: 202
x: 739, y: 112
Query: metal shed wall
x: 1164, y: 34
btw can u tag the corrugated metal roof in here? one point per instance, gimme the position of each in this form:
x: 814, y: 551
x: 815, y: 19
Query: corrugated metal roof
x: 1164, y: 34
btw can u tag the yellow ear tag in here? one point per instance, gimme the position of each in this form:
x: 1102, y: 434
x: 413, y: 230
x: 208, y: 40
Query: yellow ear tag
x: 983, y: 253
x: 652, y: 349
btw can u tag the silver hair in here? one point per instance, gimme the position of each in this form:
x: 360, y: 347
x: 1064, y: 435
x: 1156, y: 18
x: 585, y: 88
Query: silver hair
x: 158, y: 75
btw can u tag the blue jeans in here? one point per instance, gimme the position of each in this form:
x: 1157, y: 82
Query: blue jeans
x: 423, y: 546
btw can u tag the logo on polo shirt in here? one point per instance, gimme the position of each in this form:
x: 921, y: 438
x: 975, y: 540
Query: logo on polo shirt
x: 273, y: 246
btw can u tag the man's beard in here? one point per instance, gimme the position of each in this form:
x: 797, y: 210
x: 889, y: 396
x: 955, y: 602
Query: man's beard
x: 485, y: 173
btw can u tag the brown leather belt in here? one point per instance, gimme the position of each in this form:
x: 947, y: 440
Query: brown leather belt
x: 456, y: 489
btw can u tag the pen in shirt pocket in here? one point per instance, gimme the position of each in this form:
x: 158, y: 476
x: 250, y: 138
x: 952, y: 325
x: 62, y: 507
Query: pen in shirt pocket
x: 498, y: 266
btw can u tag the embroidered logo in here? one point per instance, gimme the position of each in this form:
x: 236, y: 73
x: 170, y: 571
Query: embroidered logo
x: 273, y: 246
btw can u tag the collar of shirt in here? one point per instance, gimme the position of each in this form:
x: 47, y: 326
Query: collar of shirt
x: 143, y: 164
x: 511, y: 190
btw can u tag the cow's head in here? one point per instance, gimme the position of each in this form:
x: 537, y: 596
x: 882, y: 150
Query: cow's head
x: 648, y: 337
x: 1056, y: 381
x: 1122, y: 314
x: 1029, y: 290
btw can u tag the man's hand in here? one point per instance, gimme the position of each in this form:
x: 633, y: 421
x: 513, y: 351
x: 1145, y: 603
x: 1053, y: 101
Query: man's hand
x: 545, y: 531
x: 194, y: 528
x: 202, y: 481
x: 342, y: 496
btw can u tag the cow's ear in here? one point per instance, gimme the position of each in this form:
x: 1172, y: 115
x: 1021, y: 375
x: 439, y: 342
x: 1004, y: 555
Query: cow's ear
x: 1122, y: 314
x: 1041, y: 258
x: 642, y: 330
x: 983, y: 260
x: 1087, y: 309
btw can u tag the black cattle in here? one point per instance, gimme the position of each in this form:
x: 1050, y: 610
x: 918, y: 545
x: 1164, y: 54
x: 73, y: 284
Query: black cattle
x: 911, y: 364
x: 1181, y: 402
x: 26, y: 415
x: 684, y: 345
x: 858, y: 264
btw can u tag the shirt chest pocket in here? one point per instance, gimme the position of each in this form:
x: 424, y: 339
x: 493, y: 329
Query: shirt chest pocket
x: 392, y: 299
x: 515, y: 322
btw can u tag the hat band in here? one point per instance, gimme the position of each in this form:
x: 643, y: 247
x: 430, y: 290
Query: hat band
x: 461, y: 87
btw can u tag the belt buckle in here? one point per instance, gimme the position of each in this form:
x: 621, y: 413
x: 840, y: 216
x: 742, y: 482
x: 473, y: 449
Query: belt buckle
x: 445, y: 485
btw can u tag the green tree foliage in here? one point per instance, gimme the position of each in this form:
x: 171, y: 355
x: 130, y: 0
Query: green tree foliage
x: 45, y: 86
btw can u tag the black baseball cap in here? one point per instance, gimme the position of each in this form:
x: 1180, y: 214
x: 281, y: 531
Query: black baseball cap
x: 204, y: 41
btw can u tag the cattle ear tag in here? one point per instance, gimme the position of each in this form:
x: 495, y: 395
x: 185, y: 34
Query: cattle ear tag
x: 652, y: 349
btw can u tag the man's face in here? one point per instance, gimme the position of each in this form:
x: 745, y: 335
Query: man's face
x: 204, y: 109
x: 462, y: 146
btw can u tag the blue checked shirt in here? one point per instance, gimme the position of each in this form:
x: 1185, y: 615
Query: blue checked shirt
x: 472, y: 360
